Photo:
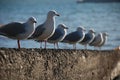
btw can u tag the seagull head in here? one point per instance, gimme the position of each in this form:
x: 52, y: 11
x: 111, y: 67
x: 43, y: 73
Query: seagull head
x: 105, y: 34
x: 81, y: 28
x: 32, y: 20
x: 63, y: 26
x: 53, y: 13
x: 92, y: 31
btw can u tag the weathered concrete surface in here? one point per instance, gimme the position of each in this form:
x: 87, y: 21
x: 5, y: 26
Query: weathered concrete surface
x: 36, y: 64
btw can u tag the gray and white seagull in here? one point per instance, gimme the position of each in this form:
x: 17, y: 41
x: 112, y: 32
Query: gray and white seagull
x: 75, y: 37
x: 104, y: 35
x: 17, y: 30
x: 89, y: 37
x: 47, y: 29
x: 58, y: 35
x: 97, y: 40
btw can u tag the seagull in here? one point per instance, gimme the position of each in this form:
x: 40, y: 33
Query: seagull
x: 97, y: 40
x: 75, y: 37
x: 47, y: 29
x: 59, y: 35
x: 19, y: 31
x: 104, y: 35
x: 89, y: 37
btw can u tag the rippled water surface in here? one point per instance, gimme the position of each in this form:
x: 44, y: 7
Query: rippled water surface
x: 103, y: 17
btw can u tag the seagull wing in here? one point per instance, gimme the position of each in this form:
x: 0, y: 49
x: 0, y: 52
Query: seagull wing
x: 56, y: 35
x: 38, y: 31
x: 86, y: 39
x: 72, y: 37
x: 12, y: 29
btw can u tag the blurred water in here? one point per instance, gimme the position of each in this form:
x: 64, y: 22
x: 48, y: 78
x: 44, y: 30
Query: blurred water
x: 103, y: 17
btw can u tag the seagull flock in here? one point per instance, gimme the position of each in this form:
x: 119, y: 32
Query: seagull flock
x: 46, y: 32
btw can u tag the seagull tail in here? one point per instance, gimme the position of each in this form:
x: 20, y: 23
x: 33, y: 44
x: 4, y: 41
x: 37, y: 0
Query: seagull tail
x: 63, y: 41
x: 31, y: 37
x: 3, y: 34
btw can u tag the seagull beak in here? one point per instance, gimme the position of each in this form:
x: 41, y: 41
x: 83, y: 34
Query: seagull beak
x: 66, y: 28
x: 84, y: 30
x: 57, y: 15
x: 94, y: 32
x: 35, y: 21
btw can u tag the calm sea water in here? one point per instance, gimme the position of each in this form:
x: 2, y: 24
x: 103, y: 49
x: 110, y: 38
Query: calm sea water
x: 103, y: 17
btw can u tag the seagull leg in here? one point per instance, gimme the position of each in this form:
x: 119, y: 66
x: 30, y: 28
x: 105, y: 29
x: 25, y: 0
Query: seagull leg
x: 85, y: 47
x: 45, y: 43
x: 18, y: 42
x: 57, y: 45
x: 54, y: 45
x: 41, y: 45
x: 94, y: 47
x: 75, y: 46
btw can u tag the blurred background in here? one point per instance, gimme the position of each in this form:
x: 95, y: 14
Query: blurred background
x: 101, y: 15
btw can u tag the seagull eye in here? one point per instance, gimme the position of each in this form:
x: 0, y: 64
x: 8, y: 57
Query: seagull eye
x: 31, y: 19
x: 54, y: 12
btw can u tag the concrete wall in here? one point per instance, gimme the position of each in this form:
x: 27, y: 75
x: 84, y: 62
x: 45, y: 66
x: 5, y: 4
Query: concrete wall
x: 36, y: 64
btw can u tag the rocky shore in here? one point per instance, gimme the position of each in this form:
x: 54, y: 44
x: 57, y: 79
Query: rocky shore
x: 50, y: 64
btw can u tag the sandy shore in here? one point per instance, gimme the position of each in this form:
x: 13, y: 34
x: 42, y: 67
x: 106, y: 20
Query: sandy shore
x: 36, y: 64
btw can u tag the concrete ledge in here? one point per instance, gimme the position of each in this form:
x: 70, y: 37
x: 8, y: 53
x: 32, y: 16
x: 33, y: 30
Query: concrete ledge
x: 36, y: 64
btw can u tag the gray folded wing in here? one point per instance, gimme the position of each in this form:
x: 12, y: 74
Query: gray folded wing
x: 97, y: 40
x: 38, y: 31
x: 12, y: 29
x: 86, y: 39
x: 72, y: 37
x: 57, y: 34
